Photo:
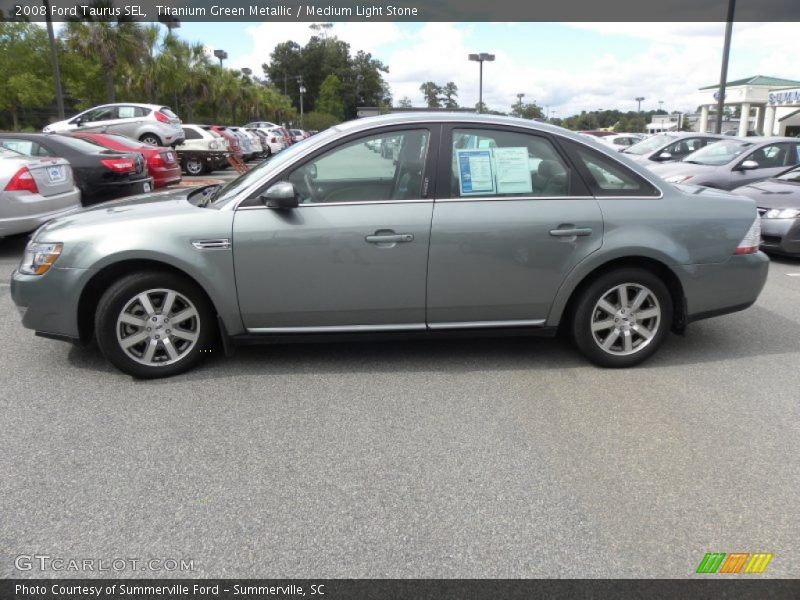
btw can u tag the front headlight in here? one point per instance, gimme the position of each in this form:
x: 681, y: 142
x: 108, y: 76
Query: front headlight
x: 39, y: 257
x: 782, y: 213
x: 678, y: 178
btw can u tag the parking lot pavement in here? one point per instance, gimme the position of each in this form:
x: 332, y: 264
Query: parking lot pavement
x: 481, y: 458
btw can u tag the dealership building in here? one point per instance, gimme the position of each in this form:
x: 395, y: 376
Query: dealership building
x: 769, y: 105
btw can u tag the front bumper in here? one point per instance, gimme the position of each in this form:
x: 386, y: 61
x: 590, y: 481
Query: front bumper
x: 781, y: 236
x: 48, y: 303
x: 721, y: 288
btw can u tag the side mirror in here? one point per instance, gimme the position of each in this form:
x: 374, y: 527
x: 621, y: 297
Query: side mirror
x: 664, y: 156
x: 748, y: 165
x: 281, y: 195
x: 77, y: 121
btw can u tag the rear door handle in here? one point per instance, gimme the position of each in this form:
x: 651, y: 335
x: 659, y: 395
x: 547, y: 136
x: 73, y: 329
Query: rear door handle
x: 389, y: 238
x: 571, y: 232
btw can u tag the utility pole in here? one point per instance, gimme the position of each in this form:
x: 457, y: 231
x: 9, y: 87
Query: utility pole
x: 723, y: 76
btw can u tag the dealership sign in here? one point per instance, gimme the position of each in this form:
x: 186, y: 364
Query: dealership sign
x: 785, y: 97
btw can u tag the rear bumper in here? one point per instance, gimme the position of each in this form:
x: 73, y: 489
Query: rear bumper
x: 721, y: 288
x: 108, y: 190
x: 30, y: 222
x: 781, y: 236
x: 166, y: 176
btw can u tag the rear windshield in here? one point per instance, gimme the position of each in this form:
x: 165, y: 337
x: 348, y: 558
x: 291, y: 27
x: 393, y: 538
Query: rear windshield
x: 79, y: 145
x: 651, y: 144
x: 718, y: 153
x: 166, y: 110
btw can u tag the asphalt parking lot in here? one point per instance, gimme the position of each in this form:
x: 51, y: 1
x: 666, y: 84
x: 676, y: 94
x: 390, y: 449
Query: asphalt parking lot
x: 480, y: 458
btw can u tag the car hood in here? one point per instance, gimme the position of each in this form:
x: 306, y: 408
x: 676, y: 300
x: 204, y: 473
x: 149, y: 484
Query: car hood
x: 772, y: 193
x: 128, y: 211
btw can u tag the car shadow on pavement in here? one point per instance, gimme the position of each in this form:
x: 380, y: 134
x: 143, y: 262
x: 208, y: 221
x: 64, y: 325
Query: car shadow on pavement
x: 13, y: 246
x: 732, y: 337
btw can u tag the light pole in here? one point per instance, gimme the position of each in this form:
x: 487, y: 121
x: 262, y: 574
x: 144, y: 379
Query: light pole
x: 639, y: 100
x: 247, y: 71
x: 221, y: 55
x: 660, y: 104
x: 169, y: 22
x: 302, y: 91
x: 54, y: 59
x: 483, y: 56
x: 520, y: 96
x: 723, y: 76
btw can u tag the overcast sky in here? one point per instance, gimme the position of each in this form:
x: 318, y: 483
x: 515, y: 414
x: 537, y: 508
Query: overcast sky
x: 567, y: 67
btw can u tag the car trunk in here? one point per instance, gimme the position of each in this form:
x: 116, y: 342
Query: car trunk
x: 52, y: 177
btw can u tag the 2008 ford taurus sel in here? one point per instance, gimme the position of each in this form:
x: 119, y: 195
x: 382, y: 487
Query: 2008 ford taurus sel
x: 471, y: 224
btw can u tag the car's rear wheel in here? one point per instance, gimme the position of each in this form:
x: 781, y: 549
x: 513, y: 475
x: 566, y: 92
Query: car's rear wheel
x: 622, y: 317
x: 153, y: 324
x: 194, y: 166
x: 151, y: 139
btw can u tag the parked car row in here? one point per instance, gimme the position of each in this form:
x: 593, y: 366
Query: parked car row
x: 766, y: 169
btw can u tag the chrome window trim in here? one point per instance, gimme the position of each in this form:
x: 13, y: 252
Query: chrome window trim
x: 353, y: 203
x: 515, y: 198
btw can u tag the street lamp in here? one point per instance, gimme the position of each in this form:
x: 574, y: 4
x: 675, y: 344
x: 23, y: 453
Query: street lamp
x: 483, y: 56
x: 302, y: 91
x: 169, y: 22
x: 221, y: 55
x: 247, y: 71
x: 520, y: 96
x: 639, y: 100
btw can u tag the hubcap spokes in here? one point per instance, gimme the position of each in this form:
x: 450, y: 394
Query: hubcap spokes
x: 158, y: 327
x: 625, y: 319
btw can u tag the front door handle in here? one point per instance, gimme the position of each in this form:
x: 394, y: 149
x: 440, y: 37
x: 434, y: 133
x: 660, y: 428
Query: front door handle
x: 571, y: 231
x: 389, y: 238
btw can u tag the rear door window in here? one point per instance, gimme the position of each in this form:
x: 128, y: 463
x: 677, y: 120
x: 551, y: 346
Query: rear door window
x: 504, y: 163
x: 605, y: 176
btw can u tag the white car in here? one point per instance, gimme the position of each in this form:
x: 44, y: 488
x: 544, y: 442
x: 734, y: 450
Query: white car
x: 261, y: 125
x: 274, y: 139
x: 202, y: 150
x: 620, y: 141
x: 152, y: 124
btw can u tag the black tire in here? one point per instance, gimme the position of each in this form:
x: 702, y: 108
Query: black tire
x: 194, y: 166
x: 151, y: 139
x: 122, y: 294
x: 624, y: 322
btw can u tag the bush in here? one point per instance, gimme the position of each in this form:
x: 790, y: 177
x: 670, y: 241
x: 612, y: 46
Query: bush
x: 318, y: 121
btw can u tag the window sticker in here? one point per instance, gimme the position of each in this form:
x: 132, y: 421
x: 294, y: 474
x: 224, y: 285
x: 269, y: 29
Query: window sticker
x: 475, y: 172
x: 513, y: 171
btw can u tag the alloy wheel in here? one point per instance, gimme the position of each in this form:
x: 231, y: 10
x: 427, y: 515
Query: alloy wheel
x: 625, y: 319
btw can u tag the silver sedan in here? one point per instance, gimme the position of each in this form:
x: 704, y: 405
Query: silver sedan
x: 33, y: 191
x: 475, y: 225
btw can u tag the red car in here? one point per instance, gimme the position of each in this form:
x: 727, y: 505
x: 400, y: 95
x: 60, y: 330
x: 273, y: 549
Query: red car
x: 162, y: 163
x: 233, y: 141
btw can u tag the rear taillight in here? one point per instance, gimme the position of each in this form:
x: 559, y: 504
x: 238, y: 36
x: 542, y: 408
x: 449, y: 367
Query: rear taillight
x: 752, y: 239
x: 273, y: 141
x: 161, y: 117
x: 158, y: 160
x: 22, y: 181
x: 119, y: 165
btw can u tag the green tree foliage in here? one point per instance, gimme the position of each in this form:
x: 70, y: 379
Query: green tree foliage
x: 330, y: 97
x: 25, y: 82
x: 450, y: 95
x: 405, y: 102
x: 317, y: 121
x: 529, y: 110
x: 432, y: 93
x: 360, y: 75
x: 124, y: 61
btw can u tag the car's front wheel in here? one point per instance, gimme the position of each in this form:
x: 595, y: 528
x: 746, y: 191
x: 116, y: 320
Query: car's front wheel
x: 622, y: 317
x: 153, y: 324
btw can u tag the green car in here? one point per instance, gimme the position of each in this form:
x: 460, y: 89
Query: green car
x: 474, y: 225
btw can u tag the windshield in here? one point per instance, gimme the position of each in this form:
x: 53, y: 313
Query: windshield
x: 718, y: 153
x: 651, y: 144
x: 792, y: 175
x: 232, y: 189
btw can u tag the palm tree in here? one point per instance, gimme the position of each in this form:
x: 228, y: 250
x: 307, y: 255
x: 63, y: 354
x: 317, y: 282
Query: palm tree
x: 110, y: 43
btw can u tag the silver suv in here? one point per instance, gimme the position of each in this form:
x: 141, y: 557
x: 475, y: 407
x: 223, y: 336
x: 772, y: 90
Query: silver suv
x: 153, y: 124
x: 475, y: 225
